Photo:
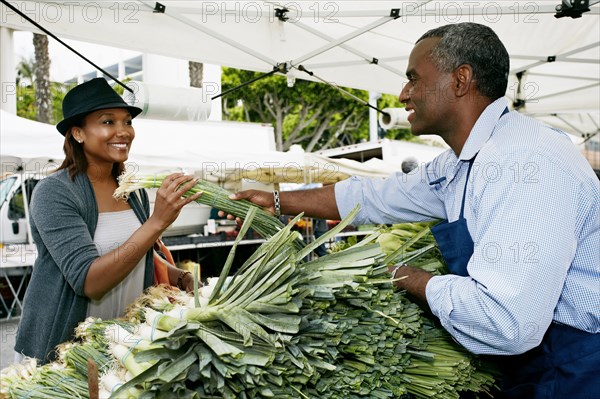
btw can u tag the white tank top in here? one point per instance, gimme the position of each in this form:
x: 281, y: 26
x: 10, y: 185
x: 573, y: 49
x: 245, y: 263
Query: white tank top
x: 113, y: 229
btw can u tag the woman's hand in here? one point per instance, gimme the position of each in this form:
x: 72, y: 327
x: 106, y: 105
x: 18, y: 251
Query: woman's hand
x: 170, y: 200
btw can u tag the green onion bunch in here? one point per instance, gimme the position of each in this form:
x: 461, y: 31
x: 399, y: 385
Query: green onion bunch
x: 46, y: 382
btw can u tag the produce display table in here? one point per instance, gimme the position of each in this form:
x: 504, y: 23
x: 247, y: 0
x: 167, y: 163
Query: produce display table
x: 197, y: 242
x: 16, y: 264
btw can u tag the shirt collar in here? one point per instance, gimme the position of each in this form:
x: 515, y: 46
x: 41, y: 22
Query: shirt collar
x: 483, y: 129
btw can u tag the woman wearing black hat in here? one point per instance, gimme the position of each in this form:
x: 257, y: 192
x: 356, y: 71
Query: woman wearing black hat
x: 94, y: 252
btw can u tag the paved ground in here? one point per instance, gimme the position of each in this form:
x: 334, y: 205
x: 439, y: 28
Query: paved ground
x: 8, y: 332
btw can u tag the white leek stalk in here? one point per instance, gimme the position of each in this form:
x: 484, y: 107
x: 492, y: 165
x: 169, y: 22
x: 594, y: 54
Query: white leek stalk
x: 110, y: 382
x: 148, y: 333
x: 125, y: 357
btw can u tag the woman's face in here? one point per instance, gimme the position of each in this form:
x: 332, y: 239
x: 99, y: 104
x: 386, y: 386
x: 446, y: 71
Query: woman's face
x: 106, y: 136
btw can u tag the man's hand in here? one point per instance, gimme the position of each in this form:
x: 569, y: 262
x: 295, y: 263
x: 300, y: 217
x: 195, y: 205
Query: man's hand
x: 263, y: 199
x: 413, y: 280
x: 317, y: 202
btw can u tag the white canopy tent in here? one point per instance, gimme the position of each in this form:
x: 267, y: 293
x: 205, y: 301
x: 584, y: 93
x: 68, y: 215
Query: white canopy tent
x: 225, y: 152
x: 555, y: 63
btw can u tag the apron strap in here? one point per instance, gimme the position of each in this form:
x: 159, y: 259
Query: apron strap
x: 462, y: 206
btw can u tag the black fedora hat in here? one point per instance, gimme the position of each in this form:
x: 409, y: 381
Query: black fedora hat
x: 90, y: 96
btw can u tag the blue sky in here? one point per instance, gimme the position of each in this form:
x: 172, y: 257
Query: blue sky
x: 64, y: 63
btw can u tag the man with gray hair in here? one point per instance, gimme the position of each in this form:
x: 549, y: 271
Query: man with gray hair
x: 520, y: 219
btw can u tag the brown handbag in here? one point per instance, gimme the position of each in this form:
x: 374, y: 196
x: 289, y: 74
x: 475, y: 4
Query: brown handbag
x: 162, y: 258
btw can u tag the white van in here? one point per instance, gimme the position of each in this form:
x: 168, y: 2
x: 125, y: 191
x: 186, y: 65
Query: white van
x: 15, y: 195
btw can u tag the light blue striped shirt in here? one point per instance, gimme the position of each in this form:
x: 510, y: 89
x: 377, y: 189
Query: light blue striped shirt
x: 533, y: 211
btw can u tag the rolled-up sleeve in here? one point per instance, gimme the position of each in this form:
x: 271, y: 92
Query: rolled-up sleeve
x: 401, y: 197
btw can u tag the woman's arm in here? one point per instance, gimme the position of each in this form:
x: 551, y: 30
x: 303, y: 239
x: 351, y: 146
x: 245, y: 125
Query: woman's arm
x: 108, y: 270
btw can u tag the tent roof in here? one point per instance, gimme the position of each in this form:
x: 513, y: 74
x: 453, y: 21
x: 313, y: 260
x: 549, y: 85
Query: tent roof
x: 362, y: 45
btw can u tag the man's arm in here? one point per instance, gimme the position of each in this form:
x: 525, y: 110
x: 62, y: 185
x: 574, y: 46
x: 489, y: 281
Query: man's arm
x: 317, y: 203
x: 414, y: 281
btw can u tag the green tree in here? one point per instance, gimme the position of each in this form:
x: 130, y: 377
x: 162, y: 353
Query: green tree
x: 57, y: 92
x: 26, y: 93
x: 25, y: 75
x: 26, y: 107
x: 314, y: 115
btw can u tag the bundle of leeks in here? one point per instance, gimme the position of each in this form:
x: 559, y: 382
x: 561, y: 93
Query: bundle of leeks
x: 283, y: 328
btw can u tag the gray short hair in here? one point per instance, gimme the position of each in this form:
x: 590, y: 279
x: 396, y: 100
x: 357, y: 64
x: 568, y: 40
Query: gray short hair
x: 475, y: 45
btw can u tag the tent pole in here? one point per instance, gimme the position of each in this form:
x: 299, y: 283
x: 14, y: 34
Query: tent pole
x: 214, y: 34
x: 564, y: 92
x: 343, y: 39
x: 346, y: 47
x: 7, y: 71
x: 561, y: 57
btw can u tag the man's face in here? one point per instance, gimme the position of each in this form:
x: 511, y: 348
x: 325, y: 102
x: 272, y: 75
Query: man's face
x: 428, y: 95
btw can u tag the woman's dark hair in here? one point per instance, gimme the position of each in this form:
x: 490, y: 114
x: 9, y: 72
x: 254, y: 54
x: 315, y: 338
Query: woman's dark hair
x: 475, y: 45
x: 75, y: 161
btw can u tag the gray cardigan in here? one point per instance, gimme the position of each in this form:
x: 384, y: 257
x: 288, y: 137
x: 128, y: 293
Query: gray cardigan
x: 64, y: 214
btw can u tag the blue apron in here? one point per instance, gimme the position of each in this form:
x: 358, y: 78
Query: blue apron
x: 567, y: 362
x: 565, y: 365
x: 453, y: 238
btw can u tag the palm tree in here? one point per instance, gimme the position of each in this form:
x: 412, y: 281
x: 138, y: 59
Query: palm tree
x: 25, y: 74
x: 25, y: 92
x: 43, y: 96
x: 196, y: 73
